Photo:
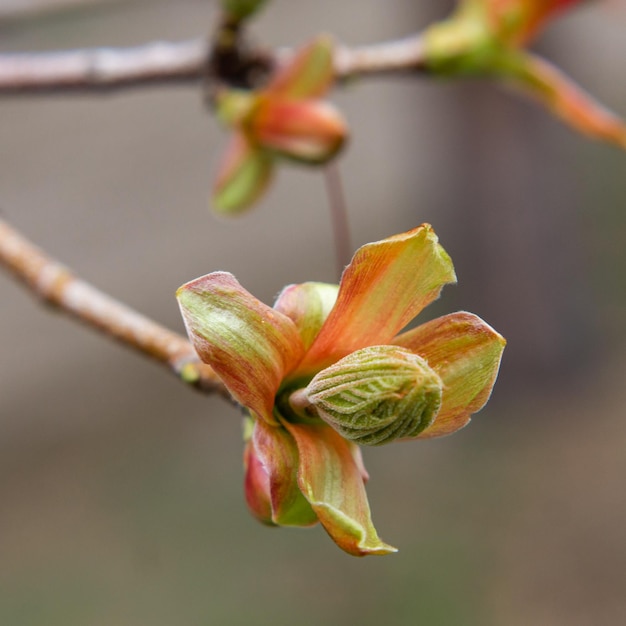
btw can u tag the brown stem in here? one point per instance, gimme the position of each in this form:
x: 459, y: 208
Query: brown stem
x: 232, y: 60
x: 103, y: 69
x: 389, y: 57
x: 57, y: 286
x: 158, y: 63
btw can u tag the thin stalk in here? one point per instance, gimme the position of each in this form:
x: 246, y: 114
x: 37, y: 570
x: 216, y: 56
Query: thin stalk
x: 338, y: 216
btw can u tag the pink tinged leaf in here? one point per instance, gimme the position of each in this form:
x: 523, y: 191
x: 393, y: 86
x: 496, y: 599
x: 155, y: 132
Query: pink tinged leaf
x: 244, y: 176
x: 466, y: 353
x: 540, y: 12
x: 257, y: 486
x: 358, y: 461
x: 565, y: 99
x: 332, y: 482
x: 524, y: 18
x: 385, y: 286
x: 308, y: 306
x: 309, y: 74
x: 250, y: 345
x: 311, y: 131
x: 271, y: 487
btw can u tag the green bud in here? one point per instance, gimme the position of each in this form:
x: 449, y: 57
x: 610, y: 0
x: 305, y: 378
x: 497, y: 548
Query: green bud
x: 376, y: 395
x: 190, y: 373
x: 233, y: 106
x: 242, y: 9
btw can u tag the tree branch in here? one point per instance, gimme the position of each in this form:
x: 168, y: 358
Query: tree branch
x: 401, y: 56
x: 24, y: 9
x: 186, y: 62
x: 57, y: 286
x: 102, y: 69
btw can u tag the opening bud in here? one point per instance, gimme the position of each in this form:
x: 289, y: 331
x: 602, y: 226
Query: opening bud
x: 375, y: 395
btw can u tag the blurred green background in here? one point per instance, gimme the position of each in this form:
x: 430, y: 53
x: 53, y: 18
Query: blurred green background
x: 120, y: 491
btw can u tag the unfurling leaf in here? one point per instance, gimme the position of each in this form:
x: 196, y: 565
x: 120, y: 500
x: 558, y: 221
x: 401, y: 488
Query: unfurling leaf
x: 377, y: 395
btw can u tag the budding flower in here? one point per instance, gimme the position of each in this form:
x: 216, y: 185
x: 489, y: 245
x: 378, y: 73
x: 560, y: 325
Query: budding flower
x: 375, y: 395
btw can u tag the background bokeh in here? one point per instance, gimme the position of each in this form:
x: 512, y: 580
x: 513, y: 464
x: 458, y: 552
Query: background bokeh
x: 120, y: 490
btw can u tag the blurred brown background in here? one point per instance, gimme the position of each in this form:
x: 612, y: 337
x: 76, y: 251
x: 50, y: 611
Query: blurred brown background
x: 120, y: 491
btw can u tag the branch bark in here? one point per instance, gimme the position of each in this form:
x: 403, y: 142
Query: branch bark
x: 57, y: 286
x: 183, y: 63
x: 102, y: 69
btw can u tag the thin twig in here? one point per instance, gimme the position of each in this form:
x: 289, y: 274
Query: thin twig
x: 24, y: 9
x: 338, y: 216
x: 184, y: 63
x: 57, y: 286
x: 400, y: 56
x: 102, y: 69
